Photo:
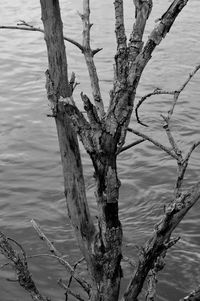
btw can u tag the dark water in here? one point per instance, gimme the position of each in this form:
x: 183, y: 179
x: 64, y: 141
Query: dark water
x: 31, y: 183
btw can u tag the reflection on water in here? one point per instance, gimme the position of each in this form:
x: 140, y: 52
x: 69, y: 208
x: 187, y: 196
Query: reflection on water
x: 31, y: 179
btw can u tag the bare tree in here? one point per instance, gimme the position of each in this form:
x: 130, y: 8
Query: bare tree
x: 103, y: 136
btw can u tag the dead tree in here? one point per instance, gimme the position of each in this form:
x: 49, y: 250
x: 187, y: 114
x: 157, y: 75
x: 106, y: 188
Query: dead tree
x: 103, y: 136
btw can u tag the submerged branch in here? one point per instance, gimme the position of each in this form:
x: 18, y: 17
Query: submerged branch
x: 160, y: 242
x: 21, y: 267
x: 59, y: 256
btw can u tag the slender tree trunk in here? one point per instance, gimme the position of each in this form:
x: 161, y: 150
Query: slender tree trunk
x: 59, y: 92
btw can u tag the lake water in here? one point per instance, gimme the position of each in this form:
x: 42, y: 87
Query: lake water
x: 31, y: 183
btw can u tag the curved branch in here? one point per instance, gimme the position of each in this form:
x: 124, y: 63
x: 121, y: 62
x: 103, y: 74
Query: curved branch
x: 140, y: 102
x: 176, y: 94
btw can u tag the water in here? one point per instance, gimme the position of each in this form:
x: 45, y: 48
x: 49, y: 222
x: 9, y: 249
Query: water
x: 31, y: 177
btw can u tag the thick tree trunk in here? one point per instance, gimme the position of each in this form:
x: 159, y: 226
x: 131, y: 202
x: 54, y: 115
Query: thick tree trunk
x: 59, y: 91
x: 102, y: 249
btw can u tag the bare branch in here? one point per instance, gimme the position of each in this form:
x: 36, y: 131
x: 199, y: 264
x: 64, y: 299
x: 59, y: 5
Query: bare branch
x: 140, y: 102
x: 131, y: 145
x: 91, y: 111
x: 190, y: 76
x: 156, y: 36
x: 71, y: 278
x: 171, y: 138
x: 88, y: 54
x: 176, y: 94
x: 195, y: 145
x: 142, y: 12
x: 28, y: 27
x: 69, y: 291
x: 21, y: 267
x: 59, y: 256
x: 159, y: 242
x: 182, y: 166
x: 156, y: 143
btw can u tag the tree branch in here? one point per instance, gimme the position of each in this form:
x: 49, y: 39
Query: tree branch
x: 21, y: 267
x: 23, y: 25
x: 156, y: 143
x: 160, y: 240
x: 142, y: 12
x: 175, y: 93
x: 156, y: 36
x: 75, y: 193
x: 88, y: 54
x: 60, y: 257
x: 131, y: 145
x: 119, y: 25
x: 26, y: 26
x: 69, y: 291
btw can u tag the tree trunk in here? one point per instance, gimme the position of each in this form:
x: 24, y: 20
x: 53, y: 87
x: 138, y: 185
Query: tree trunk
x: 59, y: 91
x: 102, y: 248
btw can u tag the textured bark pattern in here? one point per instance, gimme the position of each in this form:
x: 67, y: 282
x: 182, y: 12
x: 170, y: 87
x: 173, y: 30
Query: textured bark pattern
x: 21, y: 267
x: 58, y: 88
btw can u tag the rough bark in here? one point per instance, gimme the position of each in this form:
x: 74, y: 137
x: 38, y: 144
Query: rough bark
x: 101, y: 250
x: 103, y: 137
x: 58, y: 90
x: 155, y: 249
x: 19, y: 263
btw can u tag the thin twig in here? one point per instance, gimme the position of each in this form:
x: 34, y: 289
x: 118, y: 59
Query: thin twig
x: 26, y: 26
x: 140, y: 102
x: 156, y: 143
x: 69, y: 291
x: 171, y: 138
x: 131, y: 145
x: 71, y: 278
x: 182, y: 166
x: 59, y: 257
x: 157, y: 91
